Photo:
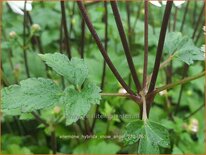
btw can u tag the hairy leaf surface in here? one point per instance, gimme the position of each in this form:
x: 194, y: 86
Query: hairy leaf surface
x: 74, y: 70
x: 78, y: 102
x: 32, y: 94
x: 182, y: 47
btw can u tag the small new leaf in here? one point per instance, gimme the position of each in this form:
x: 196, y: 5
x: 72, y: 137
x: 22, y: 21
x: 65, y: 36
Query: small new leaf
x: 32, y: 94
x: 78, y: 102
x: 182, y: 47
x: 74, y: 70
x: 150, y: 135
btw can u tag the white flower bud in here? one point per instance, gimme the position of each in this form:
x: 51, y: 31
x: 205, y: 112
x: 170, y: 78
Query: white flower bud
x: 193, y: 125
x: 12, y: 35
x: 56, y: 110
x: 35, y: 27
x: 122, y: 91
x: 162, y: 93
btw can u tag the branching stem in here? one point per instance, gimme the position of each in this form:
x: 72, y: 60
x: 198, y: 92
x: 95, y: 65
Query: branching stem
x: 101, y: 48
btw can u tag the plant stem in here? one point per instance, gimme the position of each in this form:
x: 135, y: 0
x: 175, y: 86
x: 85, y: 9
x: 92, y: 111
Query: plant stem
x: 186, y: 67
x: 144, y: 107
x: 198, y: 21
x: 39, y: 43
x: 53, y: 134
x: 138, y: 15
x: 175, y: 18
x: 194, y: 12
x: 115, y: 94
x: 39, y: 119
x: 87, y: 126
x: 101, y: 48
x: 198, y: 36
x: 138, y: 100
x: 71, y: 18
x: 128, y: 23
x: 82, y: 38
x: 104, y: 63
x: 125, y: 44
x: 194, y: 112
x: 184, y: 16
x: 185, y: 70
x: 145, y: 45
x: 24, y: 41
x: 61, y: 51
x: 160, y: 45
x: 105, y: 44
x: 53, y: 142
x: 181, y: 82
x: 65, y: 29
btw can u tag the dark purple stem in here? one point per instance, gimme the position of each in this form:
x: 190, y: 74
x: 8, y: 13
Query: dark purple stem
x: 145, y: 44
x: 160, y: 45
x: 125, y: 44
x: 101, y: 48
x: 65, y: 29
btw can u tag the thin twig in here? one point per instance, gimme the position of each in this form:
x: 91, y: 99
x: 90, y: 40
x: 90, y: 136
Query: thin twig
x: 129, y: 23
x: 198, y: 36
x: 175, y: 18
x: 198, y: 21
x: 160, y: 45
x: 39, y: 119
x: 194, y: 112
x: 101, y: 48
x: 184, y: 16
x: 67, y: 42
x: 194, y: 13
x: 181, y: 82
x: 39, y: 44
x: 24, y: 42
x: 125, y: 44
x: 138, y: 15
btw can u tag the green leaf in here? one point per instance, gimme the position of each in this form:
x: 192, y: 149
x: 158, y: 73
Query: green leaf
x: 150, y: 135
x: 172, y: 42
x: 96, y: 147
x: 74, y: 70
x: 32, y: 94
x: 182, y: 47
x: 78, y: 102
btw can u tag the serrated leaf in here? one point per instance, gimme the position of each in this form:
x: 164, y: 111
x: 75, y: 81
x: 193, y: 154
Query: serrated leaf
x: 74, y: 70
x: 32, y: 94
x: 78, y: 103
x: 182, y: 47
x: 150, y: 135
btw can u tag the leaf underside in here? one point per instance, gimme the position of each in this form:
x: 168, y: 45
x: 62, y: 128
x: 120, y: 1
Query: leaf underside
x: 182, y: 47
x: 150, y: 135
